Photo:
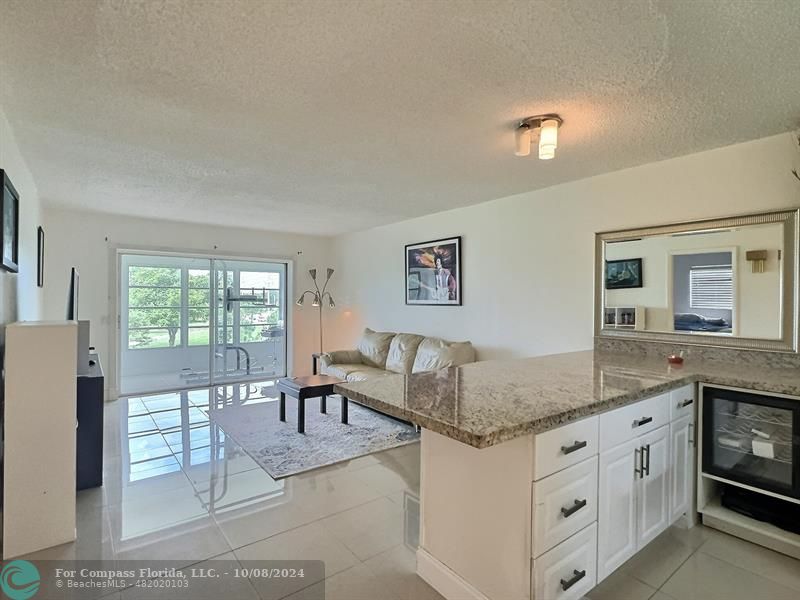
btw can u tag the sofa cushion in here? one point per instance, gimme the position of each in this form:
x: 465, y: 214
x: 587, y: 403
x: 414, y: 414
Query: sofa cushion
x: 342, y: 370
x: 434, y: 354
x: 402, y: 351
x: 367, y: 373
x: 374, y: 347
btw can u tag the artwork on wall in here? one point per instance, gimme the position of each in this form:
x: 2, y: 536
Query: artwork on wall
x: 40, y: 257
x: 433, y: 272
x: 626, y: 273
x: 9, y: 225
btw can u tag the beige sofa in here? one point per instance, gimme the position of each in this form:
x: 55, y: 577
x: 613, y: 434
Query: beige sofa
x: 381, y: 353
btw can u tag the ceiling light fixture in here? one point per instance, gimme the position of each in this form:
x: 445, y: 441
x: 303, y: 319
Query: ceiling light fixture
x: 547, y: 128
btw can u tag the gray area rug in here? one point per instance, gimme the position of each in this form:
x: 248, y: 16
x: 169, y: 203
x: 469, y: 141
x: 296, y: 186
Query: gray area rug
x: 282, y: 452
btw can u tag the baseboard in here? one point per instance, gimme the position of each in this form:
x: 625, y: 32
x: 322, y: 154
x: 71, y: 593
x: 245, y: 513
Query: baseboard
x: 445, y: 581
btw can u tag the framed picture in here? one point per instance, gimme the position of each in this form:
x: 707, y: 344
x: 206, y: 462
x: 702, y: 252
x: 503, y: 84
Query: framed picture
x: 433, y: 272
x: 9, y: 225
x: 625, y: 273
x: 40, y: 257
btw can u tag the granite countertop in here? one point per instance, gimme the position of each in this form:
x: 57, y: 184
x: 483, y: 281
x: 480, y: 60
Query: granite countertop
x: 485, y: 403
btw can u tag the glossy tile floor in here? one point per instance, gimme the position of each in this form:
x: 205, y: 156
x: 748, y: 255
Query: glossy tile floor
x: 177, y: 489
x: 702, y: 564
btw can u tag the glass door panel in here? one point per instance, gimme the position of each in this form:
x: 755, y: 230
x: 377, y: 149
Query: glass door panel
x: 162, y: 332
x: 250, y: 312
x: 750, y: 439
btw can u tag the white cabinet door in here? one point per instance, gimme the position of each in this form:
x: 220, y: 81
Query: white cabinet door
x: 653, y: 493
x: 681, y: 467
x: 616, y: 517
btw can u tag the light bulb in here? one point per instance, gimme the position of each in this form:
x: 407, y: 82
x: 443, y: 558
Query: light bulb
x: 331, y: 303
x: 522, y: 138
x: 548, y: 139
x: 316, y: 300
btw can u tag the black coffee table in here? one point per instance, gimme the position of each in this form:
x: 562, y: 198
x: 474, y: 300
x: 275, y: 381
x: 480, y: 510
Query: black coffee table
x: 312, y: 386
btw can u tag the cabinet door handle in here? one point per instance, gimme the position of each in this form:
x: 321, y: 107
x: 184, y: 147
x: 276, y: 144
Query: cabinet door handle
x: 646, y: 467
x: 637, y: 461
x: 568, y: 512
x: 642, y: 421
x: 691, y: 434
x: 685, y: 403
x: 576, y: 577
x: 576, y: 446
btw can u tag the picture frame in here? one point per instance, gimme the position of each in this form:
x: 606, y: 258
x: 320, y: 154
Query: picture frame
x: 9, y: 225
x: 39, y: 256
x: 433, y: 272
x: 624, y: 274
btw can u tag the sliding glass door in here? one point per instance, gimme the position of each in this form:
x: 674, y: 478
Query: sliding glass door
x: 192, y: 321
x: 250, y: 314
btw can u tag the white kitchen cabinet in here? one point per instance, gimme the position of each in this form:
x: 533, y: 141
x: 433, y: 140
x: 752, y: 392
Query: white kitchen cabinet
x: 681, y: 466
x: 633, y: 506
x: 567, y: 572
x: 563, y: 504
x: 653, y: 491
x: 569, y: 505
x: 616, y: 516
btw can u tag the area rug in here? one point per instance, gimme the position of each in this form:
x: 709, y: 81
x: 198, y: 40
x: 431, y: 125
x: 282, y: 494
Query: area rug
x: 282, y: 452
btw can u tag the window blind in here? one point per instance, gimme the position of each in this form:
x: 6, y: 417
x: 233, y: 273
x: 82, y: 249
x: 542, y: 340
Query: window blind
x: 711, y: 287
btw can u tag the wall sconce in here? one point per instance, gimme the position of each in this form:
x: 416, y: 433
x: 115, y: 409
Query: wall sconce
x: 757, y: 260
x: 547, y: 128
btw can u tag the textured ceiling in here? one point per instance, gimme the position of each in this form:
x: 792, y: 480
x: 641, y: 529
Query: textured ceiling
x: 326, y: 117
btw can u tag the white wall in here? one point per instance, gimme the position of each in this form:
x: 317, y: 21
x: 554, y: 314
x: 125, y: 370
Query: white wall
x: 20, y: 299
x: 528, y: 259
x: 88, y: 241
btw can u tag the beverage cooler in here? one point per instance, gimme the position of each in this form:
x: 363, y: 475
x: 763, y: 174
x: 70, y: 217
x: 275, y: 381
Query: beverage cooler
x: 752, y: 439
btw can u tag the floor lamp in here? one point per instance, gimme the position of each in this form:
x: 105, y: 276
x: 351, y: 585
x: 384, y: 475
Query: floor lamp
x: 318, y: 297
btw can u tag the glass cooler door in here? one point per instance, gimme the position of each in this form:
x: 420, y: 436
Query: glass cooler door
x: 751, y: 439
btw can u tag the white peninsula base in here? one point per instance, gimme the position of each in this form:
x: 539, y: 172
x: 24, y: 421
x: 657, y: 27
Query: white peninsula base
x: 550, y: 515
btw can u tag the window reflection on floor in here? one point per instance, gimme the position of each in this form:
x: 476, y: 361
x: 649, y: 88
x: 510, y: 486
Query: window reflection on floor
x: 168, y: 441
x: 167, y: 431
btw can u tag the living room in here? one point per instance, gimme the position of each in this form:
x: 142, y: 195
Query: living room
x: 333, y: 273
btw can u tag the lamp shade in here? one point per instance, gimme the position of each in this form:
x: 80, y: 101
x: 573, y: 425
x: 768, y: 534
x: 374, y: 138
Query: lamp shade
x: 300, y: 300
x: 522, y: 137
x: 548, y: 139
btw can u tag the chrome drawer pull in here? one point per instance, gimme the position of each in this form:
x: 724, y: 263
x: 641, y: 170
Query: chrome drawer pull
x: 642, y: 421
x: 685, y: 403
x: 574, y: 447
x: 577, y: 576
x: 568, y: 512
x: 646, y: 467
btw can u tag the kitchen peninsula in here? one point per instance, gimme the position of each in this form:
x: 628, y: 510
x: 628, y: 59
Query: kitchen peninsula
x: 541, y: 476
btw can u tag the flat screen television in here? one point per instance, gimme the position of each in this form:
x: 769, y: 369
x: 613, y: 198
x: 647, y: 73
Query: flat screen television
x: 72, y: 296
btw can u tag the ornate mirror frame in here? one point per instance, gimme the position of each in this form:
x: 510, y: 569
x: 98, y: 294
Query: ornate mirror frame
x: 790, y: 305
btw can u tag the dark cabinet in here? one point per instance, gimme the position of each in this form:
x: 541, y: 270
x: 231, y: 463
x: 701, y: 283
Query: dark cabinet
x: 90, y: 426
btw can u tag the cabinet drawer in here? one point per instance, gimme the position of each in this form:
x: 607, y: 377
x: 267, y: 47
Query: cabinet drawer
x: 682, y: 402
x: 560, y: 448
x: 563, y: 504
x: 570, y: 565
x: 623, y: 424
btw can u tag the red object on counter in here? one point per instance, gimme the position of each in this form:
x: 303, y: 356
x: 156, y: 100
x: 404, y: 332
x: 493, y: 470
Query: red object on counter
x: 675, y: 359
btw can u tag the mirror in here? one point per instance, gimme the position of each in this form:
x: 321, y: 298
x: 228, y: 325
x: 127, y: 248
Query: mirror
x: 726, y: 282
